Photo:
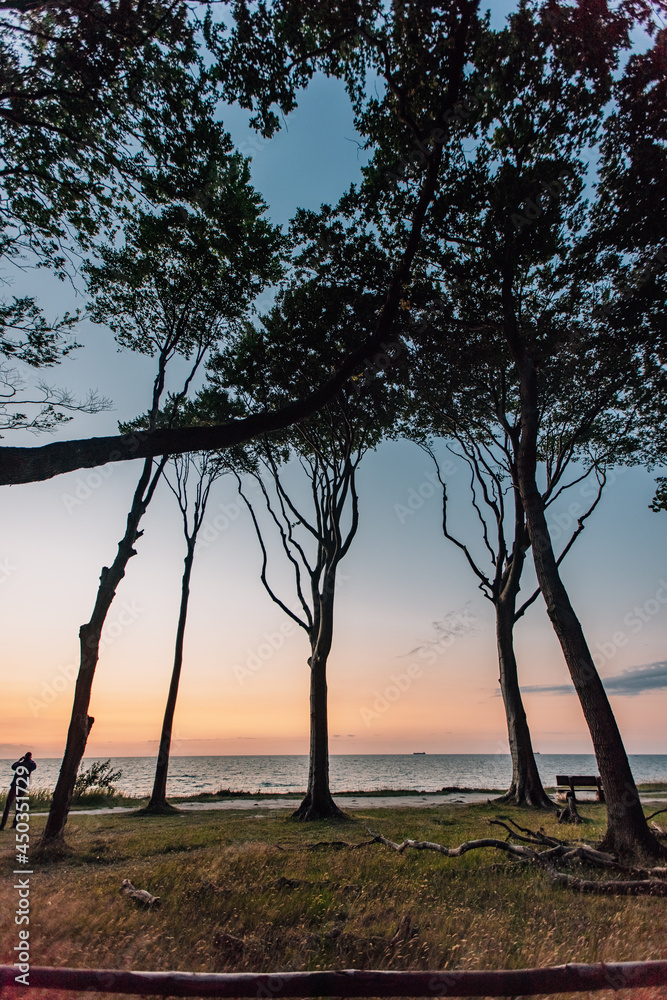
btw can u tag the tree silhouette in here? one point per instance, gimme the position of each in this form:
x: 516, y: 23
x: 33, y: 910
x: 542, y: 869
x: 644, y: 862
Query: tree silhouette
x: 171, y: 290
x: 328, y: 305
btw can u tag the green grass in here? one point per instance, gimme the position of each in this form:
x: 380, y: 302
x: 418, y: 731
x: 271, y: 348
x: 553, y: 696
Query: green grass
x: 478, y: 911
x: 40, y: 799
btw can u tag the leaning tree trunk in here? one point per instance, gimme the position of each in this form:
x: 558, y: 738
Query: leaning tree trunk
x: 318, y: 802
x: 627, y: 829
x: 89, y: 640
x: 526, y: 788
x: 158, y: 801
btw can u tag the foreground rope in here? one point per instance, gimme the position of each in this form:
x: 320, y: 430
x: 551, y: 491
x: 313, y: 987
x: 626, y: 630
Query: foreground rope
x: 349, y: 982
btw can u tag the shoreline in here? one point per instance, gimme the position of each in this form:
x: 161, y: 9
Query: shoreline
x: 383, y: 799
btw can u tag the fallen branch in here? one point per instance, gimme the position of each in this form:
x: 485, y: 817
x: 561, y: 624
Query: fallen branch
x: 537, y: 836
x: 647, y: 885
x: 635, y: 887
x: 534, y: 838
x: 457, y: 852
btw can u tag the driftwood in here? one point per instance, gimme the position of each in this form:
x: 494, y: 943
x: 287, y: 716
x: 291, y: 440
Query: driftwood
x: 647, y: 882
x: 570, y: 978
x: 140, y: 896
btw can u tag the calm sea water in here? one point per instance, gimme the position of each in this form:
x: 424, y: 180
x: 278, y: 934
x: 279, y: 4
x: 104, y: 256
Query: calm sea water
x: 427, y: 773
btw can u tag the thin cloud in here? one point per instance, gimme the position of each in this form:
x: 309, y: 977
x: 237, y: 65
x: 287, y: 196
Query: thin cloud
x: 634, y: 680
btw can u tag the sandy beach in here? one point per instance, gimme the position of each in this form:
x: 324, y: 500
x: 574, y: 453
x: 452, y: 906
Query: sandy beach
x: 348, y: 802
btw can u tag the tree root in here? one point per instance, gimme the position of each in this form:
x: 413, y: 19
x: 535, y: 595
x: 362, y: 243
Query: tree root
x: 647, y: 881
x: 157, y: 809
x: 533, y: 799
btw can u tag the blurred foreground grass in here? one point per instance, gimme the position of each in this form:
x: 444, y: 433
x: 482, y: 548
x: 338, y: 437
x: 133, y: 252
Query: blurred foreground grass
x: 260, y: 877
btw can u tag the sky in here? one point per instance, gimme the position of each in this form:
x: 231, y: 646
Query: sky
x: 414, y: 662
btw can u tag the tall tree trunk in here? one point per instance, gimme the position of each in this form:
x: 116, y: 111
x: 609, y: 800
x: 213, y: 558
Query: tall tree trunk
x: 318, y: 802
x: 158, y: 801
x: 89, y: 641
x: 627, y: 829
x: 526, y: 788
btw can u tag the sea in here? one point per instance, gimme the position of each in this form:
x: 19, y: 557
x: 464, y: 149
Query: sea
x: 348, y: 772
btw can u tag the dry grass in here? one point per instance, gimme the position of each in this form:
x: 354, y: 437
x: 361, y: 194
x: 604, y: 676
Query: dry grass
x: 479, y: 911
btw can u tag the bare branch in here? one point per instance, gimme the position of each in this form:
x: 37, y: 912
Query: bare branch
x: 484, y: 580
x: 305, y: 625
x: 602, y: 479
x: 648, y: 886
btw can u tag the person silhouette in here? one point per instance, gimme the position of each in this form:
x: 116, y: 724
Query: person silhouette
x: 27, y: 762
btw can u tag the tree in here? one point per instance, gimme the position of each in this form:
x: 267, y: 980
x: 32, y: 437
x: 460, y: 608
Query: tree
x: 632, y: 207
x: 193, y: 477
x: 464, y: 393
x: 99, y: 104
x: 42, y: 409
x: 268, y: 56
x: 171, y: 290
x: 507, y: 241
x: 200, y: 471
x: 99, y: 776
x: 329, y: 451
x: 326, y: 308
x: 103, y: 106
x: 660, y: 499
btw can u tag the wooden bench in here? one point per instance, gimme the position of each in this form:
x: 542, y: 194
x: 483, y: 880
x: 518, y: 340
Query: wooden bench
x: 572, y: 781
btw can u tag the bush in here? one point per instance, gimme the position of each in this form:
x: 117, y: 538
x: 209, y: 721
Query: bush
x: 99, y: 777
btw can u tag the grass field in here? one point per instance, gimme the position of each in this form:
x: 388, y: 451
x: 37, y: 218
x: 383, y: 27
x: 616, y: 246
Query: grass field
x: 294, y: 905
